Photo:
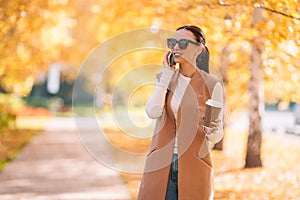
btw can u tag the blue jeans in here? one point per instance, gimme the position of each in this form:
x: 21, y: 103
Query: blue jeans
x: 172, y: 188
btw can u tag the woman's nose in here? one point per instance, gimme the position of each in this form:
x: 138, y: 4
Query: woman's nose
x: 176, y: 47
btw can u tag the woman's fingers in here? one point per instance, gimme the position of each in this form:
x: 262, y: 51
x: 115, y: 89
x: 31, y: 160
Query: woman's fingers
x: 166, y: 58
x: 208, y: 130
x: 214, y: 125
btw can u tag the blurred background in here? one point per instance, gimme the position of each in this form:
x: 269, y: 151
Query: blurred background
x: 254, y: 48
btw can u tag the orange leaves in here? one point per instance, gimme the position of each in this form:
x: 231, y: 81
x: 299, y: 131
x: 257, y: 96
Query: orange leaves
x: 278, y: 179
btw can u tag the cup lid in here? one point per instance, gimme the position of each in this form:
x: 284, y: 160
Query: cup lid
x: 214, y: 103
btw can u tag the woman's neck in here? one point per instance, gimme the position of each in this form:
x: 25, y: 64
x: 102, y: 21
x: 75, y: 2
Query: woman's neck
x: 187, y: 69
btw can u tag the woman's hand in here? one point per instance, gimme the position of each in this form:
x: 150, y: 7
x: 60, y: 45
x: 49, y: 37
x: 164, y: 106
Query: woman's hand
x: 214, y: 125
x: 166, y: 60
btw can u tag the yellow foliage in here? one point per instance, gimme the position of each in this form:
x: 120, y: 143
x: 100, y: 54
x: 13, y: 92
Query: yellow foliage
x: 35, y: 34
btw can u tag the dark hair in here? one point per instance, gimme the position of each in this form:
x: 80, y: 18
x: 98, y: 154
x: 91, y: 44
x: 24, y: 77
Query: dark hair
x: 202, y: 60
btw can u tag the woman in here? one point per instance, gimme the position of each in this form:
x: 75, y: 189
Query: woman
x: 178, y: 165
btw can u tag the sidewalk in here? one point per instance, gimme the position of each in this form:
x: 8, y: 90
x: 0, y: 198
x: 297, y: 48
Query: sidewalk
x: 56, y: 166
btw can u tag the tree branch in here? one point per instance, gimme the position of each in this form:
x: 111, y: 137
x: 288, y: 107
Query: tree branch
x: 221, y: 3
x: 278, y: 12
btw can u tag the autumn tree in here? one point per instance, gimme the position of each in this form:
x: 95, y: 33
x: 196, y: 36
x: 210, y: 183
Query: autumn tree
x: 256, y: 103
x: 253, y: 158
x: 35, y: 34
x: 32, y: 34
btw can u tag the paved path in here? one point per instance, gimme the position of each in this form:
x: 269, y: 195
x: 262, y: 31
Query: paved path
x: 56, y: 166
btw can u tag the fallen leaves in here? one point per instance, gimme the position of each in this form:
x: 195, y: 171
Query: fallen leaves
x: 279, y: 178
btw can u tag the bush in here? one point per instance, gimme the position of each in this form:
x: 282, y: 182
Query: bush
x: 9, y: 104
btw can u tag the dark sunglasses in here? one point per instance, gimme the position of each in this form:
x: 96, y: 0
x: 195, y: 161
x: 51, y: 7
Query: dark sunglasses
x: 182, y: 43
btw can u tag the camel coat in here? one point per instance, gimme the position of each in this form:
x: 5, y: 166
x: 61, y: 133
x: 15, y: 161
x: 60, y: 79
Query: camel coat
x: 195, y: 175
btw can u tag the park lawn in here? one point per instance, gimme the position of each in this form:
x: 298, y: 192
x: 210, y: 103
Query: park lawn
x: 279, y: 178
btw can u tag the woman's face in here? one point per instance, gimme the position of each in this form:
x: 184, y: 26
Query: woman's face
x: 190, y: 53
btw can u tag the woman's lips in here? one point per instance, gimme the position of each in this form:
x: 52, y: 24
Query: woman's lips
x: 177, y: 54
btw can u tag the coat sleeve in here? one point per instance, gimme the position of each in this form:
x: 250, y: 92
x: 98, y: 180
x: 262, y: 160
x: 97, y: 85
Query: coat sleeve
x: 155, y: 104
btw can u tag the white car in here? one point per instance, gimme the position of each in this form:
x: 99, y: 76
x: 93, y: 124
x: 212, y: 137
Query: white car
x: 296, y: 128
x: 297, y: 113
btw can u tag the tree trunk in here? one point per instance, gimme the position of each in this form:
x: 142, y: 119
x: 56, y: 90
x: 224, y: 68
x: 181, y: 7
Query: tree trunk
x: 253, y: 158
x: 224, y: 72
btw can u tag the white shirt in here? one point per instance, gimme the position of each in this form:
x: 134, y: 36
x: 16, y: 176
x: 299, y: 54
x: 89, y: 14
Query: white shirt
x: 181, y: 86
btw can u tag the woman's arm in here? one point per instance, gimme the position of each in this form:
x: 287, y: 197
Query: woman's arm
x: 156, y: 103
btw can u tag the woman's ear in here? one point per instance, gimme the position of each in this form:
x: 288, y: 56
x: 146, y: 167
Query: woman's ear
x: 199, y: 50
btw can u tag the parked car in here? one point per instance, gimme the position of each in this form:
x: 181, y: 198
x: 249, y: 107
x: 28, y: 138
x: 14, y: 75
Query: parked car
x: 296, y: 127
x: 297, y: 113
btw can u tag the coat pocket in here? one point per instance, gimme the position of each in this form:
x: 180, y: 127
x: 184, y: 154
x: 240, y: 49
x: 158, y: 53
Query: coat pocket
x: 205, y: 161
x: 151, y: 151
